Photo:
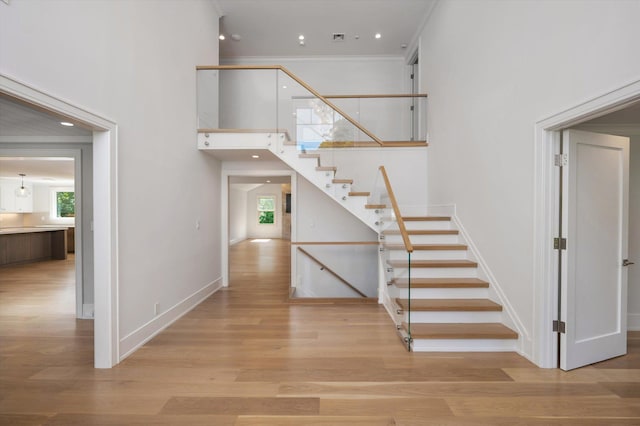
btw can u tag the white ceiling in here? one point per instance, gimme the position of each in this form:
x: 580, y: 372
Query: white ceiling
x: 46, y: 170
x: 272, y: 27
x: 22, y: 123
x: 17, y: 119
x: 625, y: 122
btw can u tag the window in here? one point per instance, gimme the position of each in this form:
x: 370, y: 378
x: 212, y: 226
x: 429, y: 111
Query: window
x: 63, y: 203
x: 266, y: 209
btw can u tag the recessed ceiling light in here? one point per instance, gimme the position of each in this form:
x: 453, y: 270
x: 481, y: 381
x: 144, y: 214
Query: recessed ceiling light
x: 255, y: 156
x: 378, y: 35
x: 268, y: 181
x: 301, y: 43
x: 66, y: 123
x: 221, y: 37
x: 300, y: 37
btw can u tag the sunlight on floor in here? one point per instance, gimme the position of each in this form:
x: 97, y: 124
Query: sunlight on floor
x: 261, y: 240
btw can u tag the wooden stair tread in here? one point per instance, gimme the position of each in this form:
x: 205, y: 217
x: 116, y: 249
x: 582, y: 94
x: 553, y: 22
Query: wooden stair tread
x: 427, y: 246
x: 305, y: 155
x: 440, y: 283
x: 426, y: 218
x: 461, y: 331
x: 326, y: 168
x: 376, y: 206
x: 466, y: 305
x: 359, y: 194
x: 462, y: 263
x: 404, y: 144
x: 423, y: 232
x: 349, y: 181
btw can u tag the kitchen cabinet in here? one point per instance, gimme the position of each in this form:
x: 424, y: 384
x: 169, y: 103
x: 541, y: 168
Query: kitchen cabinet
x: 11, y: 203
x: 22, y: 245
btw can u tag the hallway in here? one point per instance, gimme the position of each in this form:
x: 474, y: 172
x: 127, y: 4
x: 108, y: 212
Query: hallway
x: 247, y: 357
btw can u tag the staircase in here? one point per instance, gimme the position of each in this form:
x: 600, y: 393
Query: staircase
x: 440, y: 298
x: 447, y: 307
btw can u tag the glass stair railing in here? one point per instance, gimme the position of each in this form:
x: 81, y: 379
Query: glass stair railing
x: 271, y: 98
x: 395, y: 252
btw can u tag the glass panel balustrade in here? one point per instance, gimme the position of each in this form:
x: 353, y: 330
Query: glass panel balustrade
x: 268, y: 98
x: 395, y: 254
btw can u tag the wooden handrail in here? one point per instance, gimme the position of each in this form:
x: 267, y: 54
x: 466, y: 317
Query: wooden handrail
x: 322, y: 265
x: 372, y: 96
x: 334, y: 243
x: 300, y: 82
x: 396, y: 210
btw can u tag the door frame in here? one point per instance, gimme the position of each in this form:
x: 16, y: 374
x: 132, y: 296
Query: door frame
x: 546, y: 211
x: 224, y: 214
x: 76, y: 154
x: 105, y: 212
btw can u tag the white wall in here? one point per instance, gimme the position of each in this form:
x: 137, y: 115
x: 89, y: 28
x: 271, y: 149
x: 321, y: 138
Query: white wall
x: 492, y: 70
x: 237, y: 215
x: 634, y: 235
x: 261, y: 230
x: 134, y: 62
x: 406, y: 168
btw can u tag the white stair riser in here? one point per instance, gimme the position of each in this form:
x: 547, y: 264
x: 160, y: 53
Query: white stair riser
x: 423, y: 239
x: 436, y: 272
x: 464, y: 345
x: 435, y: 224
x: 443, y: 293
x: 428, y: 224
x: 454, y: 317
x: 428, y: 254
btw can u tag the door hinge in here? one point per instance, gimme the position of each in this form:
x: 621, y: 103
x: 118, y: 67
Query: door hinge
x: 411, y: 108
x: 561, y: 160
x: 559, y: 243
x: 411, y: 76
x: 559, y: 327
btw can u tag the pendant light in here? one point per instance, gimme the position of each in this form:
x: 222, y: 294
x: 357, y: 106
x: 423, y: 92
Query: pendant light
x: 22, y: 192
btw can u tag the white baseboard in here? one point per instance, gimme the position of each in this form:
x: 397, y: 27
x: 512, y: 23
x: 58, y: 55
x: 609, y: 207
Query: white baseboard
x: 134, y: 340
x: 87, y: 311
x: 633, y: 322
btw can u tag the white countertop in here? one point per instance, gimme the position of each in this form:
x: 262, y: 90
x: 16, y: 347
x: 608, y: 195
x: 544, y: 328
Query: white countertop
x: 28, y: 230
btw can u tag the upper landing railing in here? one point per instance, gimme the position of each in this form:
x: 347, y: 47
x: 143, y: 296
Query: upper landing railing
x: 270, y: 97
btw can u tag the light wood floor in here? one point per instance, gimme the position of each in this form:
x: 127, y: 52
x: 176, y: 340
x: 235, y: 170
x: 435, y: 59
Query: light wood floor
x: 247, y: 357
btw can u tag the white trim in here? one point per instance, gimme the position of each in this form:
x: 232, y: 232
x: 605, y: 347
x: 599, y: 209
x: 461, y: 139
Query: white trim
x: 510, y: 317
x: 137, y: 338
x: 271, y: 60
x: 87, y: 311
x: 545, y: 283
x: 633, y: 322
x: 105, y: 141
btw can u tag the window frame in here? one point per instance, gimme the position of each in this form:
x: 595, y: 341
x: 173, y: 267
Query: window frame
x: 53, y: 204
x: 275, y: 209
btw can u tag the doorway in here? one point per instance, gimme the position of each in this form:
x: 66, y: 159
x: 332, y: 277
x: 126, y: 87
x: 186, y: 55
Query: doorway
x: 257, y: 205
x: 104, y: 221
x: 548, y: 260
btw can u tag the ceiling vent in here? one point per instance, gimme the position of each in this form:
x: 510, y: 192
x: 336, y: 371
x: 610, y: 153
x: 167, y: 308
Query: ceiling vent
x: 338, y: 36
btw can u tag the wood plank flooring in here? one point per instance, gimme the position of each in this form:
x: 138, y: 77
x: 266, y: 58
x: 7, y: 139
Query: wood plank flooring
x: 247, y: 357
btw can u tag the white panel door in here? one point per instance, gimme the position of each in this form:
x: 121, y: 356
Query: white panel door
x: 594, y: 280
